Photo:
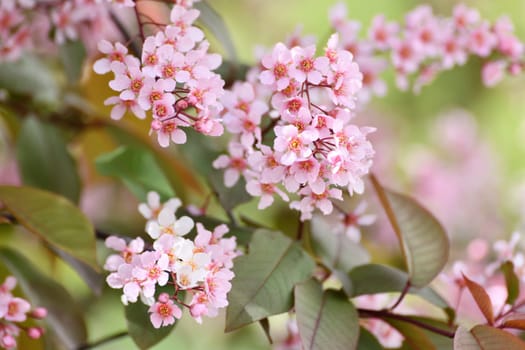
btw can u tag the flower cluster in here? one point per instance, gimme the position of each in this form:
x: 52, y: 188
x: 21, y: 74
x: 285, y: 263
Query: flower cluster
x: 13, y: 311
x: 173, y: 79
x: 200, y: 268
x: 27, y: 24
x: 426, y: 44
x: 316, y: 148
x: 486, y: 270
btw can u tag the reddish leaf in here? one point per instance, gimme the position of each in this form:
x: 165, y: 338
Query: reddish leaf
x: 484, y: 337
x: 482, y: 299
x: 516, y: 321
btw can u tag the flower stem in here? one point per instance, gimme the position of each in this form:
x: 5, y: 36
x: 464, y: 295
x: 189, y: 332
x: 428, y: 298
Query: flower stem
x: 382, y: 314
x: 102, y: 341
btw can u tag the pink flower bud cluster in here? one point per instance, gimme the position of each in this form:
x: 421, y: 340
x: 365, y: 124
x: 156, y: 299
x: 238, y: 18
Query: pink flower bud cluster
x: 485, y: 269
x: 201, y: 268
x: 302, y: 105
x: 41, y: 25
x: 426, y: 44
x: 13, y: 311
x: 173, y: 79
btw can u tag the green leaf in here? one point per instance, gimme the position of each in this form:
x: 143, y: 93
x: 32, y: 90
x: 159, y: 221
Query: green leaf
x: 336, y: 251
x: 138, y: 169
x: 29, y: 76
x: 440, y: 342
x: 214, y: 22
x: 140, y: 328
x: 512, y: 282
x: 368, y: 341
x: 424, y: 242
x: 486, y: 338
x: 44, y: 161
x: 376, y: 279
x: 326, y: 320
x: 231, y: 197
x: 94, y: 279
x: 265, y: 277
x: 199, y: 152
x: 414, y: 336
x: 64, y: 316
x: 54, y: 219
x: 73, y: 54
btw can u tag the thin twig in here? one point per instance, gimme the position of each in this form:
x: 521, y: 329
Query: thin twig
x: 402, y: 296
x: 123, y: 31
x: 139, y: 23
x: 103, y: 341
x: 300, y: 230
x: 382, y: 314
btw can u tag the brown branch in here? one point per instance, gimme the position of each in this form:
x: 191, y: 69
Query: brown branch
x: 103, y: 341
x: 382, y: 314
x: 402, y: 296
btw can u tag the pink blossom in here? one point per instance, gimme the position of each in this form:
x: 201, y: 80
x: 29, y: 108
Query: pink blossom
x: 371, y: 68
x: 312, y: 200
x: 17, y: 308
x: 306, y: 67
x: 64, y: 23
x: 164, y: 312
x: 293, y: 144
x: 465, y: 16
x: 266, y: 162
x: 277, y: 65
x: 482, y: 40
x: 8, y: 333
x: 114, y: 53
x: 121, y: 106
x: 382, y: 33
x: 493, y: 72
x: 235, y: 164
x: 405, y: 56
x: 167, y: 223
x: 453, y: 48
x: 151, y: 209
x: 154, y: 91
x: 352, y: 221
x: 168, y: 130
x: 150, y: 270
x: 265, y: 191
x: 126, y: 251
x: 129, y: 79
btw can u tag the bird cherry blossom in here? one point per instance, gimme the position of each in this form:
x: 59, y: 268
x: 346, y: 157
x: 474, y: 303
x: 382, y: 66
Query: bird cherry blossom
x: 426, y: 44
x: 173, y: 80
x: 313, y: 148
x: 14, y: 311
x: 199, y: 267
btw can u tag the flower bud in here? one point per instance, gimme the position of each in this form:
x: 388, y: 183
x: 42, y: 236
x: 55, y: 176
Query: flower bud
x: 164, y: 298
x: 35, y: 332
x: 39, y: 312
